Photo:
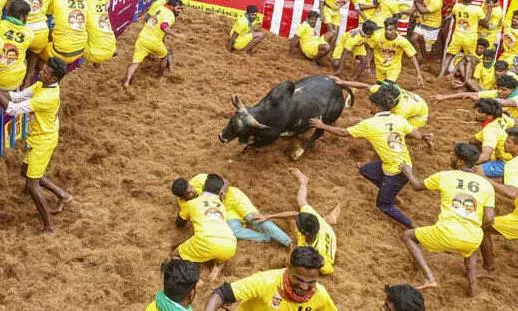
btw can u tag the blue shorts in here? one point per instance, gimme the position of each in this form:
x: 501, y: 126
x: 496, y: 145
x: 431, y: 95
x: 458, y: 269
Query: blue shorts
x: 494, y: 169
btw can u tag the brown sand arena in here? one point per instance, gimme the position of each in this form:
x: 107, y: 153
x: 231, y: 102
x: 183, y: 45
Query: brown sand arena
x: 119, y: 151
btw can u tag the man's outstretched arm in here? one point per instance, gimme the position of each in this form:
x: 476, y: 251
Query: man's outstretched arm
x: 416, y: 184
x: 338, y: 131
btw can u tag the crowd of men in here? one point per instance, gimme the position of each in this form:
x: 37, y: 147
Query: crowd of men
x: 35, y: 57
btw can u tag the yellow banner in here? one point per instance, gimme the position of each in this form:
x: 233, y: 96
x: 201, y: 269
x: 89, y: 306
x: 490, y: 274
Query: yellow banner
x: 217, y: 9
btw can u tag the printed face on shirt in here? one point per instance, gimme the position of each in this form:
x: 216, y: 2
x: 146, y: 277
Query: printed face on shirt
x: 76, y: 20
x: 465, y: 205
x: 35, y: 5
x: 395, y: 142
x: 10, y: 53
x: 104, y: 22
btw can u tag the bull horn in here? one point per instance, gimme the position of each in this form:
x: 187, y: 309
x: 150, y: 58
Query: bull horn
x: 251, y: 121
x: 236, y: 101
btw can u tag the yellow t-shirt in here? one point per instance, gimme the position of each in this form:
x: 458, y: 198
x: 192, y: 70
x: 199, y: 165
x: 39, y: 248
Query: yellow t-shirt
x: 207, y: 215
x: 433, y: 18
x: 410, y: 105
x: 101, y: 39
x: 260, y: 291
x: 388, y: 53
x: 386, y: 132
x: 306, y: 33
x: 495, y: 23
x: 348, y: 41
x: 369, y: 13
x: 464, y: 196
x: 325, y: 243
x: 69, y: 34
x: 511, y: 178
x: 44, y: 121
x: 510, y: 39
x: 156, y: 5
x: 466, y: 18
x: 37, y: 18
x: 15, y: 39
x: 151, y: 31
x: 494, y: 134
x: 237, y: 204
x: 385, y: 9
x: 242, y: 26
x: 486, y: 76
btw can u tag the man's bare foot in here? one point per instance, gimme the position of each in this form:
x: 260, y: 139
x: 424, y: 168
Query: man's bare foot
x: 61, y: 203
x: 126, y: 85
x: 49, y: 232
x: 303, y: 179
x: 333, y: 216
x: 487, y: 274
x: 427, y: 284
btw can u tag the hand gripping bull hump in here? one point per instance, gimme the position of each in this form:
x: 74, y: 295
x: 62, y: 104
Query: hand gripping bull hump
x: 286, y: 111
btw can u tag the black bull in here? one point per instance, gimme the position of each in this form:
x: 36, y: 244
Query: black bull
x: 286, y: 111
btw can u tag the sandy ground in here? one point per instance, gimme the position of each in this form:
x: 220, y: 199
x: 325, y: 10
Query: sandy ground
x: 119, y: 151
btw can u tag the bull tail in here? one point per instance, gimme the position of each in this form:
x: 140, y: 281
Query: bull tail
x: 349, y: 101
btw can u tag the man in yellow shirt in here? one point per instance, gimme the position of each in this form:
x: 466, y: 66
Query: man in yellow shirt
x: 246, y: 33
x: 292, y: 288
x: 490, y: 29
x: 16, y: 39
x: 459, y: 66
x: 312, y: 229
x: 429, y: 21
x: 37, y: 22
x: 388, y: 49
x: 467, y: 17
x: 240, y: 211
x: 366, y: 9
x: 213, y: 239
x: 101, y: 43
x: 330, y: 14
x: 409, y: 105
x: 386, y: 132
x: 507, y: 225
x: 502, y: 68
x: 353, y: 43
x: 385, y: 9
x: 310, y: 44
x: 41, y: 101
x: 180, y: 280
x: 467, y: 202
x: 69, y: 35
x: 484, y: 77
x: 510, y: 42
x: 151, y: 38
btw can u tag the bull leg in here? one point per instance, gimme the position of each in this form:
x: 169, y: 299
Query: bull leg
x: 299, y: 151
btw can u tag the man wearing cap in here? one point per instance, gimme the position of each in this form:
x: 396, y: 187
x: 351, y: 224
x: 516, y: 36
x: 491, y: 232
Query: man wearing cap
x: 246, y: 32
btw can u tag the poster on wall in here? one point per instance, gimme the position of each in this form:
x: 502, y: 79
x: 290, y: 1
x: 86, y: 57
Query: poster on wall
x: 122, y: 13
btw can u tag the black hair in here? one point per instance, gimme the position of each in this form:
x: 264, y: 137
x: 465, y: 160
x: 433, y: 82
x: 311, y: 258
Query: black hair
x: 468, y: 153
x: 179, y: 186
x: 175, y: 2
x: 369, y: 27
x: 384, y: 100
x: 506, y: 81
x: 492, y: 1
x: 313, y: 14
x: 405, y: 297
x: 489, y: 106
x: 515, y: 13
x: 307, y: 224
x: 501, y: 65
x: 513, y: 133
x: 58, y: 66
x: 483, y: 42
x: 390, y: 88
x: 391, y: 21
x: 252, y: 9
x: 180, y: 277
x: 213, y: 184
x: 489, y: 53
x: 18, y: 9
x: 466, y: 1
x: 306, y: 257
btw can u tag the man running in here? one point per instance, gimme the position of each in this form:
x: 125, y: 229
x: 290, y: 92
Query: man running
x: 239, y: 211
x: 246, y: 32
x: 467, y: 202
x: 151, y: 38
x: 292, y: 288
x: 42, y: 101
x: 312, y: 229
x: 429, y: 21
x: 507, y: 225
x: 386, y: 132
